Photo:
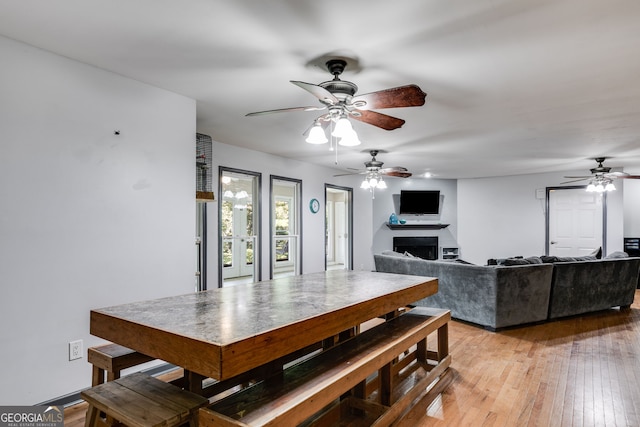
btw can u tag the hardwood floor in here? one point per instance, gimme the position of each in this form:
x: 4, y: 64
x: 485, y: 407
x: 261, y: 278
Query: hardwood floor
x: 579, y: 371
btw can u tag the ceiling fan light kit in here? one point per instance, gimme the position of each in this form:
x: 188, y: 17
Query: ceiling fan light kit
x: 601, y: 178
x: 600, y: 186
x: 374, y: 172
x: 338, y: 97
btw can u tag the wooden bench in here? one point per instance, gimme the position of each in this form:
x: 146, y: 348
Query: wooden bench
x: 139, y: 400
x: 358, y: 376
x: 109, y: 360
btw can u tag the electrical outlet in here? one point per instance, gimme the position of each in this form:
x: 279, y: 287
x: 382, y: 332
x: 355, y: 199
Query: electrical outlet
x: 75, y: 350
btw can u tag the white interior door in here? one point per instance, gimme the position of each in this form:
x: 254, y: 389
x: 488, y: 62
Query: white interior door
x: 575, y: 222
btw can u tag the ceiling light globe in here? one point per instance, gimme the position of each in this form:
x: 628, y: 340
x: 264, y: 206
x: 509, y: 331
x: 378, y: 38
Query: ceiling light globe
x: 382, y: 185
x: 610, y: 187
x: 316, y: 135
x: 343, y: 127
x: 350, y: 139
x: 591, y: 188
x: 365, y: 185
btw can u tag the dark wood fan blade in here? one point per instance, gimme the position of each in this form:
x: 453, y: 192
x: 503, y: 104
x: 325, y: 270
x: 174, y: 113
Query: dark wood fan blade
x: 285, y: 110
x: 393, y: 169
x: 399, y: 174
x: 378, y: 119
x: 579, y: 177
x: 623, y: 175
x: 403, y: 96
x: 319, y: 92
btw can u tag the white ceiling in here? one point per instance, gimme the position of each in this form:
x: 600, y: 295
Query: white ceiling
x: 513, y: 87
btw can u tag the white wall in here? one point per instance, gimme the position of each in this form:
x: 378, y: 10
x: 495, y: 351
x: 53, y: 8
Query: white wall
x: 387, y: 201
x: 88, y: 219
x: 313, y: 179
x: 501, y: 217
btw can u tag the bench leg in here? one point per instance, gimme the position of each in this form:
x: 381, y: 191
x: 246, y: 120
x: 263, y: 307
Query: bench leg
x: 421, y: 352
x: 443, y: 341
x: 97, y: 376
x: 91, y: 419
x: 386, y: 385
x: 193, y: 382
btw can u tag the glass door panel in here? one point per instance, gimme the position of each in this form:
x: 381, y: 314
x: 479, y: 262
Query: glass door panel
x: 338, y: 228
x: 238, y: 226
x: 285, y: 227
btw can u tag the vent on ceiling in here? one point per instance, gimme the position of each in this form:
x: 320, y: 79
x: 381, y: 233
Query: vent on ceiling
x: 204, y: 157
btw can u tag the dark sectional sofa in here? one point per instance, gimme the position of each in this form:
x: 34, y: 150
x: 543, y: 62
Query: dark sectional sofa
x: 585, y: 286
x: 508, y: 295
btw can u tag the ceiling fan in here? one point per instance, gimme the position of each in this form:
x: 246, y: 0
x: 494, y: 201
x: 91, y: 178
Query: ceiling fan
x: 374, y: 171
x: 339, y: 98
x: 601, y: 178
x: 375, y: 166
x: 603, y: 172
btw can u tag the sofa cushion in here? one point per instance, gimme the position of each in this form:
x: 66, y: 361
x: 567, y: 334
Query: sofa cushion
x: 393, y: 253
x: 501, y: 261
x: 586, y: 258
x: 461, y: 261
x: 617, y: 254
x: 596, y: 254
x: 522, y: 261
x: 514, y: 261
x: 552, y: 259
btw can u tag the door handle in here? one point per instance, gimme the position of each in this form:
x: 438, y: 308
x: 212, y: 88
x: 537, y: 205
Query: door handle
x: 553, y: 243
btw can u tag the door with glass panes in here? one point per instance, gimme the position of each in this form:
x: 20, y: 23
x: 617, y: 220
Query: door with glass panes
x: 238, y: 228
x: 285, y: 227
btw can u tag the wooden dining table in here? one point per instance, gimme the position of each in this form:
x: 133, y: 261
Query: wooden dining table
x: 221, y: 333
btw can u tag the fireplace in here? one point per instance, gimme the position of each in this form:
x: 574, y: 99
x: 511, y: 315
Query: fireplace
x: 423, y: 247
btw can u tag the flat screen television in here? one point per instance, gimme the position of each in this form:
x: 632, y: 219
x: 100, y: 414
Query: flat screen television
x: 419, y: 202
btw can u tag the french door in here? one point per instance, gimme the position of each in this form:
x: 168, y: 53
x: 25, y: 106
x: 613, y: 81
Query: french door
x: 286, y: 226
x: 239, y: 213
x: 338, y: 228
